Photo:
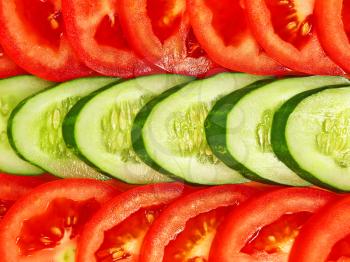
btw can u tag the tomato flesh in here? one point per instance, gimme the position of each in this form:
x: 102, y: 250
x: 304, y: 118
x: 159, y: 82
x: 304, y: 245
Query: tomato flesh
x: 110, y: 33
x: 123, y: 240
x: 63, y: 219
x: 346, y: 17
x: 193, y: 243
x: 278, y: 236
x: 232, y: 14
x: 340, y: 250
x: 44, y: 18
x: 165, y: 17
x: 5, y: 206
x: 290, y: 24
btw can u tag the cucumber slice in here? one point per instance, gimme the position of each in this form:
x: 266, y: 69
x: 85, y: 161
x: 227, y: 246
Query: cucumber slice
x: 168, y: 133
x: 311, y: 134
x: 12, y: 91
x: 35, y: 128
x: 108, y: 115
x: 241, y: 124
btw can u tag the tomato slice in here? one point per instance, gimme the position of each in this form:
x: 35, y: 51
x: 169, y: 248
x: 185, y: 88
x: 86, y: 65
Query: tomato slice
x: 185, y: 229
x: 160, y: 31
x: 265, y: 228
x: 333, y: 29
x: 95, y: 32
x: 13, y: 187
x: 33, y: 34
x: 44, y: 225
x: 222, y: 30
x: 285, y: 30
x: 326, y: 236
x: 116, y: 232
x: 7, y: 66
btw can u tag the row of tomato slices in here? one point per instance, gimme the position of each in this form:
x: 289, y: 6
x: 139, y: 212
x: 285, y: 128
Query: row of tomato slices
x: 64, y: 39
x: 46, y: 219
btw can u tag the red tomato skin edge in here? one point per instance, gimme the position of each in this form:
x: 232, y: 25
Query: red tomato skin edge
x: 330, y: 29
x: 320, y: 64
x: 120, y: 208
x: 317, y: 238
x: 9, y: 68
x: 261, y: 211
x: 151, y: 48
x: 174, y: 217
x: 71, y: 69
x: 227, y: 56
x: 12, y: 187
x: 140, y: 68
x: 75, y: 189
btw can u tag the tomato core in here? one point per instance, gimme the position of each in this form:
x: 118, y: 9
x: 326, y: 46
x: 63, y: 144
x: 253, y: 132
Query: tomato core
x: 346, y: 17
x: 44, y: 18
x: 63, y: 219
x: 292, y: 20
x: 228, y: 20
x: 123, y: 240
x: 194, y: 242
x: 278, y: 236
x: 5, y: 206
x: 340, y: 250
x: 110, y: 33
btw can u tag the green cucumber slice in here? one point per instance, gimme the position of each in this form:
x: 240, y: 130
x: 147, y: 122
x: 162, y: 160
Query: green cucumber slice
x: 241, y: 125
x: 35, y: 128
x: 108, y: 115
x: 12, y: 91
x: 311, y: 135
x: 168, y: 133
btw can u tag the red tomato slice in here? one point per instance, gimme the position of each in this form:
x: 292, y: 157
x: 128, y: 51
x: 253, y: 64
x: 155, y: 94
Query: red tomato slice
x: 161, y: 32
x: 184, y: 231
x: 94, y: 30
x: 116, y: 232
x: 7, y: 66
x: 333, y: 29
x: 265, y: 228
x: 32, y: 33
x: 222, y: 30
x: 326, y: 236
x: 285, y: 30
x: 13, y: 187
x: 43, y: 225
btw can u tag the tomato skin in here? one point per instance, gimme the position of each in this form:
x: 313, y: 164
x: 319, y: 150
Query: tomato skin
x: 322, y: 232
x: 119, y: 209
x: 330, y: 29
x: 173, y: 219
x: 310, y: 59
x: 256, y: 213
x: 12, y: 186
x: 37, y: 200
x: 245, y: 56
x: 172, y: 55
x: 107, y: 60
x: 7, y: 67
x: 24, y: 47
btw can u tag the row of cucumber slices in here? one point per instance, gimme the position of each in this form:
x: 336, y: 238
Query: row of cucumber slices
x: 228, y: 128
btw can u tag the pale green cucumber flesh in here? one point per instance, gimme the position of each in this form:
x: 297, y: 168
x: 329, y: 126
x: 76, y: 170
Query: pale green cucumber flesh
x: 108, y: 115
x: 169, y: 133
x: 310, y: 134
x: 216, y: 129
x: 12, y: 91
x: 35, y: 128
x: 248, y: 136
